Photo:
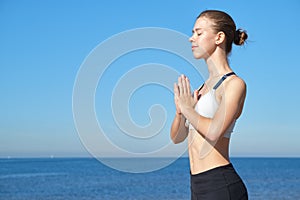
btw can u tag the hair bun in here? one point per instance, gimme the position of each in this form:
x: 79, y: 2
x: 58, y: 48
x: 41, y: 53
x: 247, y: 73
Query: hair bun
x: 240, y: 37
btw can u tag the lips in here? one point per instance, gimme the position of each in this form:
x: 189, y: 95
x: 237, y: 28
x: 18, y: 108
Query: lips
x: 194, y: 46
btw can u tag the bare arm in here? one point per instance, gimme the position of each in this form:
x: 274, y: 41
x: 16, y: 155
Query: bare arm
x: 229, y: 109
x: 178, y: 131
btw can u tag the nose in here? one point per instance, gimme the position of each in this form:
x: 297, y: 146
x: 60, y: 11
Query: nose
x: 192, y: 39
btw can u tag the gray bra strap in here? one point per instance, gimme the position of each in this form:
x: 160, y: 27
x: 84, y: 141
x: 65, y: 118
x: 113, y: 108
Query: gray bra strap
x: 222, y: 79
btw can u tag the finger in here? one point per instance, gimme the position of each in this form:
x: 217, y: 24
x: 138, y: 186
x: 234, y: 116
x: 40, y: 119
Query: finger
x: 176, y: 90
x: 180, y: 86
x: 196, y: 93
x: 183, y: 82
x: 188, y: 86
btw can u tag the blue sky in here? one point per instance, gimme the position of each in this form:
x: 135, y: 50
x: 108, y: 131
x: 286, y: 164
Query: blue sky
x: 44, y: 43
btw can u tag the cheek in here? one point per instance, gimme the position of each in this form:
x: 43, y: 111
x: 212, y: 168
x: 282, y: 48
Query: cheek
x: 205, y: 48
x: 207, y: 45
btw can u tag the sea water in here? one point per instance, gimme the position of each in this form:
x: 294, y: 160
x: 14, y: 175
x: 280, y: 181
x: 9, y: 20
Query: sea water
x: 87, y: 178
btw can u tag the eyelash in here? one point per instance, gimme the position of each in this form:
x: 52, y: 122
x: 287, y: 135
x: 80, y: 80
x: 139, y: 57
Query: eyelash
x: 198, y: 34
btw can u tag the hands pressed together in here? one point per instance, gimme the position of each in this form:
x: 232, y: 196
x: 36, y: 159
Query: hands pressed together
x: 183, y: 95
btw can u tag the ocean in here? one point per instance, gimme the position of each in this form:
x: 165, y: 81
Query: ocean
x: 87, y: 178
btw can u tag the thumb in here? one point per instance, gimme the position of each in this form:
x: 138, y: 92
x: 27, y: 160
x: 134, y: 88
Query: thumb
x: 196, y: 93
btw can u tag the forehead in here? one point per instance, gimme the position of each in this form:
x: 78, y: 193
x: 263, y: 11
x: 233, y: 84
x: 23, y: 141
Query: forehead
x: 203, y: 23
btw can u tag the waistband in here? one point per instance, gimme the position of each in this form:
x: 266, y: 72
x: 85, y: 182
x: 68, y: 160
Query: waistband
x: 214, y: 179
x: 214, y: 170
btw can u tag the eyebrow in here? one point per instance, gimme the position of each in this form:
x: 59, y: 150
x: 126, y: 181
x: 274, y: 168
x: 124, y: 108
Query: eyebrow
x: 196, y: 29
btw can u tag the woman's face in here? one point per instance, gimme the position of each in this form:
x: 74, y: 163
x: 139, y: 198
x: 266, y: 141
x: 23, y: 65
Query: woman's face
x: 203, y: 39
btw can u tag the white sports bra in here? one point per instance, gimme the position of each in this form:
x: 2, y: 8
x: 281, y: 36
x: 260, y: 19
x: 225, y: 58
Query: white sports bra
x: 207, y: 105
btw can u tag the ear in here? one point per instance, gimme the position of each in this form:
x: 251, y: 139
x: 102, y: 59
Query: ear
x: 220, y: 38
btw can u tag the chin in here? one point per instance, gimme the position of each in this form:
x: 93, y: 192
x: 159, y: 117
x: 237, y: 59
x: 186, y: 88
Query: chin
x: 197, y: 55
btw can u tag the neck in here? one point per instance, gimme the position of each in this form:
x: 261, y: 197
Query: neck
x: 217, y: 65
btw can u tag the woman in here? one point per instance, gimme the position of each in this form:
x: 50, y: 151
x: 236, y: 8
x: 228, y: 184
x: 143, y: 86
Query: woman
x: 208, y: 116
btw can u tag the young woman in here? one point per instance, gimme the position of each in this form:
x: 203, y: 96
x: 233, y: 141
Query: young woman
x: 207, y: 117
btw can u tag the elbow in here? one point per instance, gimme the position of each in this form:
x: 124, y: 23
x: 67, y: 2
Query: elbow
x: 175, y: 141
x: 178, y: 136
x: 212, y: 136
x: 174, y: 137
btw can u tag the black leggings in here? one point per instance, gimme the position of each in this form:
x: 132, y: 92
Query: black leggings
x: 221, y: 183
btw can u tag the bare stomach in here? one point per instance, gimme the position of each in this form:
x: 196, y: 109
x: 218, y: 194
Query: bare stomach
x: 204, y: 155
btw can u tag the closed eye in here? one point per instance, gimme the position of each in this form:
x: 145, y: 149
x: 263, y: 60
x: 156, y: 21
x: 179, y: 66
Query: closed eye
x: 193, y: 32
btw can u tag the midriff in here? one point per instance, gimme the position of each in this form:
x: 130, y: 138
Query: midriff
x: 204, y: 155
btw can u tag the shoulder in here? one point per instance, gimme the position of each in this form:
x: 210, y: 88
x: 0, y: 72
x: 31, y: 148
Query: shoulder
x: 236, y: 82
x: 235, y: 86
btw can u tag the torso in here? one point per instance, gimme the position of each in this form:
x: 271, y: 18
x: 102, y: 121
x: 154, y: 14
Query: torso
x: 202, y: 154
